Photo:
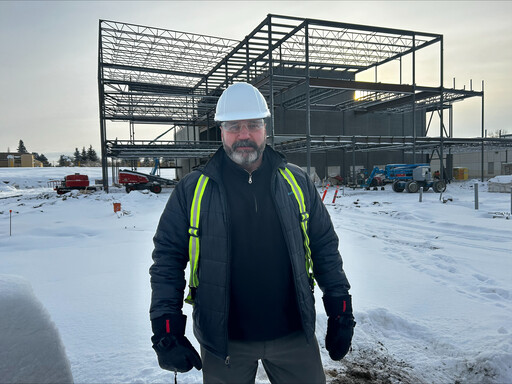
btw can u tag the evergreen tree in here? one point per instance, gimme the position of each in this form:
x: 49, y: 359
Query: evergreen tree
x: 83, y: 155
x: 43, y: 159
x: 21, y: 147
x: 65, y: 161
x: 91, y: 154
x: 77, y: 158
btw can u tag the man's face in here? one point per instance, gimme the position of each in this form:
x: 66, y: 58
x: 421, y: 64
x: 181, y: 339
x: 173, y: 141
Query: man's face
x: 244, y: 141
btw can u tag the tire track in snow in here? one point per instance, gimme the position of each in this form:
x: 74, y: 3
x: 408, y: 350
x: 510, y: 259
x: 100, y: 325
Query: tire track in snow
x: 422, y: 245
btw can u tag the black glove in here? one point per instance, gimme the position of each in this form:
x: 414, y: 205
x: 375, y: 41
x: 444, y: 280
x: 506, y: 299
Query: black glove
x: 340, y: 325
x: 174, y: 351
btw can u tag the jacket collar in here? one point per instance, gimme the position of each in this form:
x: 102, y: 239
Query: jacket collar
x: 214, y: 165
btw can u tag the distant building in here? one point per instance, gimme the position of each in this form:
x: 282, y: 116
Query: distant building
x: 13, y: 159
x: 496, y: 161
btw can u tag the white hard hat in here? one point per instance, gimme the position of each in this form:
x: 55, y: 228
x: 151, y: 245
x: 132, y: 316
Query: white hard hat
x: 241, y: 101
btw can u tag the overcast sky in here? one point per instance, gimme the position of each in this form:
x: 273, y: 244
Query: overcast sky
x: 49, y: 59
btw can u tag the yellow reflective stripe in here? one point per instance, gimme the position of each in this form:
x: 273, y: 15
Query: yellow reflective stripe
x: 193, y: 246
x: 304, y: 216
x: 196, y: 202
x: 297, y: 191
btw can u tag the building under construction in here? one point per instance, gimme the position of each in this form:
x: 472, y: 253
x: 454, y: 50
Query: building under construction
x: 324, y: 117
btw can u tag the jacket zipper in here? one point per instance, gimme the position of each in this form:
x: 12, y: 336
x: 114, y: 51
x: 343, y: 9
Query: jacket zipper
x: 228, y: 270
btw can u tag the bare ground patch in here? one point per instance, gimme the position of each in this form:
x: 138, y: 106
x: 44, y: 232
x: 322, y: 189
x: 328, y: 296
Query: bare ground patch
x: 374, y: 366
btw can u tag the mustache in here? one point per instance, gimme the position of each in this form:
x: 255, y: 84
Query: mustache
x: 244, y: 143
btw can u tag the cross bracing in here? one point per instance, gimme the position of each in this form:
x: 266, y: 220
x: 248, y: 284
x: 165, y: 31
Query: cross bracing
x: 139, y: 107
x: 154, y: 75
x: 136, y: 149
x: 347, y: 48
x: 146, y: 48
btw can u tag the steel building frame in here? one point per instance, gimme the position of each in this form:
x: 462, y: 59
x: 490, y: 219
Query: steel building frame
x: 152, y: 75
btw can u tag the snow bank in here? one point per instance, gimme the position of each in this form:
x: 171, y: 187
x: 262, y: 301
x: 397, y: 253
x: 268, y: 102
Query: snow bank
x: 501, y: 184
x: 30, y: 347
x: 4, y: 187
x: 501, y: 179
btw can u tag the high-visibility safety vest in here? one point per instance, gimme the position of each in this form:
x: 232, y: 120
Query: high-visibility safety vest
x: 195, y: 210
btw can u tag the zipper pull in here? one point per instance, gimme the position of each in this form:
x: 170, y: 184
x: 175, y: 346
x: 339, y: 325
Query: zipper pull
x: 226, y: 362
x: 250, y: 178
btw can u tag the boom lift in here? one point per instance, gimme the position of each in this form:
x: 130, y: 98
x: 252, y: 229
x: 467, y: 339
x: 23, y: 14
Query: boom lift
x: 134, y: 180
x: 410, y: 177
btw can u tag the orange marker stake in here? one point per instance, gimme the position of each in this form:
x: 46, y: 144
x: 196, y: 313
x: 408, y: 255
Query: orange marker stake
x: 325, y: 192
x: 335, y: 194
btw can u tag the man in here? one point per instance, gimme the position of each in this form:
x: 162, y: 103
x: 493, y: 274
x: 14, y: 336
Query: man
x: 253, y: 300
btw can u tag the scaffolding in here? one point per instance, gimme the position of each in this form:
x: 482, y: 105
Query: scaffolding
x: 158, y: 76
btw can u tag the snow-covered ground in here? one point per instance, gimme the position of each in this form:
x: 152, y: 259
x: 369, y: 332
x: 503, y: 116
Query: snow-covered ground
x: 31, y: 349
x: 431, y: 281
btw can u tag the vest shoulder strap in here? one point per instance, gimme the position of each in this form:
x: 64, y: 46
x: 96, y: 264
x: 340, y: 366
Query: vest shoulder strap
x: 304, y: 217
x: 193, y: 231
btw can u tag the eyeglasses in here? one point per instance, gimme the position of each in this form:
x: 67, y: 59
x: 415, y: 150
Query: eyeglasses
x: 236, y: 126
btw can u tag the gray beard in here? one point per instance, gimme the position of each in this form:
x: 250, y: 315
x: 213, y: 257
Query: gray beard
x: 246, y: 157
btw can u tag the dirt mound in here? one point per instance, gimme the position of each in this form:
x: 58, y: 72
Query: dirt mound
x: 372, y: 366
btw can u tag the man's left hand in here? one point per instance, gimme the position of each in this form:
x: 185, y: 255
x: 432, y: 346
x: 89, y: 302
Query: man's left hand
x: 340, y: 330
x: 340, y: 326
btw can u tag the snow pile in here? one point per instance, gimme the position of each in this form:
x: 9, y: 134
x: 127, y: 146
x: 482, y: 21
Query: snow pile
x: 31, y: 350
x: 500, y: 184
x: 501, y: 179
x: 6, y: 188
x: 430, y: 281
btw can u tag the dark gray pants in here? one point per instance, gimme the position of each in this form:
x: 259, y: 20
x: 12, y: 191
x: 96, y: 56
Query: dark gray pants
x: 289, y: 359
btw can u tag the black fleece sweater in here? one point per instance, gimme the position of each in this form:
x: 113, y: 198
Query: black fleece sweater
x: 263, y: 304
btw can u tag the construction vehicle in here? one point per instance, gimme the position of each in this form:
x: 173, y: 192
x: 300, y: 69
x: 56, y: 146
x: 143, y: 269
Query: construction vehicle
x: 390, y: 173
x: 73, y: 182
x: 410, y: 177
x: 421, y: 178
x: 134, y: 180
x: 376, y: 178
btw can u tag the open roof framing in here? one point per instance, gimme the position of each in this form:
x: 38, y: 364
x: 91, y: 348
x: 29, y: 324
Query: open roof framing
x: 153, y: 75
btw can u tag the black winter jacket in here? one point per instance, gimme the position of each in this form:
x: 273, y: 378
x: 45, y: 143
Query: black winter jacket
x: 211, y: 308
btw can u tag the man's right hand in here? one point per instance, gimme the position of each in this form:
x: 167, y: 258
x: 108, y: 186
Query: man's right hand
x: 174, y: 350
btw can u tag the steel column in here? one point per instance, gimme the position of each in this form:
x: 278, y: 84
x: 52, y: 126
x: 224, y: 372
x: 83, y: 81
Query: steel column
x: 353, y: 159
x: 483, y: 130
x: 414, y: 98
x: 103, y: 128
x: 308, y: 101
x: 441, y: 115
x: 271, y: 82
